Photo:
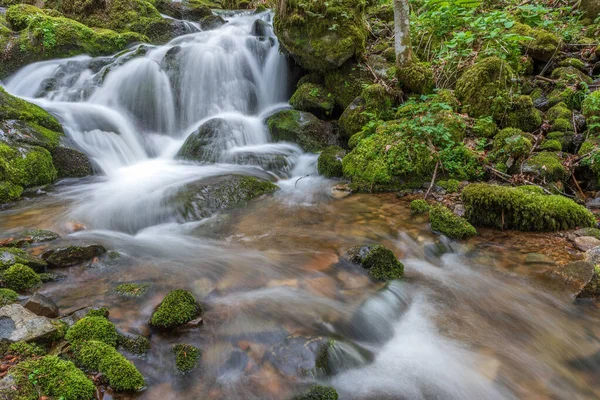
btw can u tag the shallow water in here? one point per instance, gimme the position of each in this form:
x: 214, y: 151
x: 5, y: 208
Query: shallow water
x: 475, y: 320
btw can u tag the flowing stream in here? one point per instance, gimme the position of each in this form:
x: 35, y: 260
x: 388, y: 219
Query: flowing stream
x: 476, y: 321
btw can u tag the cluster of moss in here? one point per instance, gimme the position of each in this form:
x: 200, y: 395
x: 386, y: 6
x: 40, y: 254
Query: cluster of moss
x: 20, y: 277
x: 98, y: 356
x: 451, y: 185
x: 523, y: 115
x: 380, y: 261
x: 511, y: 208
x: 419, y: 207
x: 186, y: 357
x: 417, y: 77
x: 177, y: 308
x: 541, y: 44
x: 319, y: 392
x: 485, y: 127
x: 446, y: 222
x: 8, y: 296
x: 25, y: 350
x: 510, y: 143
x: 299, y: 127
x: 547, y: 165
x: 135, y: 344
x: 329, y: 163
x: 93, y: 328
x: 132, y: 289
x: 374, y: 101
x: 313, y: 98
x: 322, y: 35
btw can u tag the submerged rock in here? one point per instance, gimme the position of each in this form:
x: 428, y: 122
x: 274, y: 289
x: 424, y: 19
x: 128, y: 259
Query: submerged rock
x: 296, y: 355
x: 186, y: 357
x: 68, y: 256
x: 42, y: 306
x: 135, y: 344
x: 380, y: 261
x: 211, y: 22
x: 29, y: 236
x: 11, y: 256
x: 71, y: 163
x: 19, y: 324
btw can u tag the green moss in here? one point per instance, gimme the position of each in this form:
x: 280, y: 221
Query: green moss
x: 35, y: 168
x: 419, y: 207
x: 98, y: 312
x: 542, y: 46
x: 132, y: 289
x: 25, y: 350
x: 121, y: 374
x: 485, y: 88
x: 20, y: 277
x: 523, y: 115
x: 510, y: 208
x: 485, y: 127
x: 416, y: 78
x: 186, y: 357
x: 7, y: 297
x: 551, y: 145
x: 322, y: 35
x: 177, y: 308
x: 446, y: 222
x: 9, y: 192
x: 299, y: 127
x: 451, y: 185
x: 51, y: 376
x: 319, y: 393
x: 547, y: 165
x: 93, y: 328
x: 380, y: 261
x: 572, y: 62
x: 348, y: 82
x: 313, y: 98
x: 562, y: 125
x: 374, y: 102
x: 12, y: 107
x: 510, y: 143
x: 330, y: 162
x: 559, y: 111
x: 135, y: 344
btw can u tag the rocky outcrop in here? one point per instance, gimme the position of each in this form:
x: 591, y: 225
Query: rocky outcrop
x: 19, y: 324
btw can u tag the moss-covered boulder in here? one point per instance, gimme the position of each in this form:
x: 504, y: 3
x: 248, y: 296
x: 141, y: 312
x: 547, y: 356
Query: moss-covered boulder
x: 314, y: 99
x: 322, y: 35
x: 512, y: 208
x: 510, y: 146
x: 8, y: 296
x: 177, y: 308
x: 541, y: 44
x: 42, y: 36
x: 374, y: 102
x: 92, y: 328
x: 50, y: 377
x: 348, y: 82
x: 20, y: 277
x: 67, y: 256
x: 417, y: 77
x: 187, y: 10
x: 186, y: 357
x: 71, y: 163
x: 203, y: 198
x: 330, y: 162
x: 319, y: 392
x: 570, y: 87
x: 523, y: 115
x: 135, y: 344
x: 485, y: 127
x: 10, y: 256
x: 591, y: 8
x: 419, y: 207
x: 380, y: 261
x: 302, y: 128
x: 444, y: 221
x: 485, y: 88
x: 546, y: 165
x: 97, y: 356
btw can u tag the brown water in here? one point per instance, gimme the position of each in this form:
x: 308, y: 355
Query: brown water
x: 476, y: 320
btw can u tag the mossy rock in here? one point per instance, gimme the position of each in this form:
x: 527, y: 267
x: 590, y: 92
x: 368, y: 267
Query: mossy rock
x: 330, y: 162
x: 551, y: 145
x: 67, y: 256
x: 510, y: 208
x: 523, y: 115
x: 546, y: 165
x: 302, y: 128
x: 186, y: 357
x: 25, y: 350
x: 135, y: 344
x: 28, y: 237
x: 121, y: 374
x: 451, y: 185
x: 14, y: 108
x: 314, y: 99
x: 375, y: 101
x: 591, y: 8
x: 419, y: 207
x: 322, y: 36
x: 187, y: 10
x: 92, y: 328
x: 71, y: 163
x: 8, y: 296
x: 10, y: 256
x: 348, y: 82
x: 177, y: 308
x: 510, y: 143
x: 380, y: 261
x: 319, y: 392
x: 50, y: 376
x: 485, y: 127
x: 444, y: 221
x: 485, y: 88
x: 542, y: 46
x: 20, y: 277
x: 132, y: 289
x: 204, y: 198
x: 417, y: 77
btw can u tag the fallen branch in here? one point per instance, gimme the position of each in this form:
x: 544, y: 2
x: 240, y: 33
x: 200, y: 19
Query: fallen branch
x: 432, y: 180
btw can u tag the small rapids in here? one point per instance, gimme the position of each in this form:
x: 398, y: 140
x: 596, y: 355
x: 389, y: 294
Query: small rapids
x: 467, y: 322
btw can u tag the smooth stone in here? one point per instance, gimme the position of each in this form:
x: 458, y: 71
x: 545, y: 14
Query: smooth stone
x: 42, y: 306
x: 19, y: 324
x: 296, y: 355
x: 536, y: 258
x: 594, y: 203
x: 593, y: 255
x: 68, y: 256
x: 585, y: 243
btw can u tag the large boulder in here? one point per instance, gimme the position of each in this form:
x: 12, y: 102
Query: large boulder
x: 302, y: 128
x: 69, y: 255
x: 188, y: 10
x: 322, y: 35
x: 374, y: 100
x: 314, y: 99
x: 207, y: 142
x: 19, y: 324
x: 203, y: 198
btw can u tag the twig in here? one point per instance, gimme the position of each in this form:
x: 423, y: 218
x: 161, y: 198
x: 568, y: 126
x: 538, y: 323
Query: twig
x: 504, y: 176
x: 302, y: 177
x: 378, y: 79
x: 437, y: 164
x: 545, y: 79
x: 577, y: 185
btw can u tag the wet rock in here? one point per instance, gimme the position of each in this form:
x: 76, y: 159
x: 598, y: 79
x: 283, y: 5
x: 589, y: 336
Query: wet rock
x: 203, y: 198
x: 576, y: 275
x: 595, y: 232
x: 11, y: 256
x: 594, y: 203
x: 302, y: 128
x: 260, y: 28
x: 330, y: 162
x: 183, y: 9
x: 297, y: 355
x: 207, y: 142
x: 177, y: 308
x: 235, y: 363
x: 30, y: 236
x: 19, y: 324
x: 380, y: 261
x: 135, y: 344
x: 592, y: 289
x: 536, y: 258
x: 211, y: 22
x: 42, y: 306
x: 585, y: 243
x: 68, y: 256
x: 71, y: 163
x: 593, y: 255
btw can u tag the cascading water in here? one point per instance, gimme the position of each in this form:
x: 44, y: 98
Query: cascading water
x: 456, y: 328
